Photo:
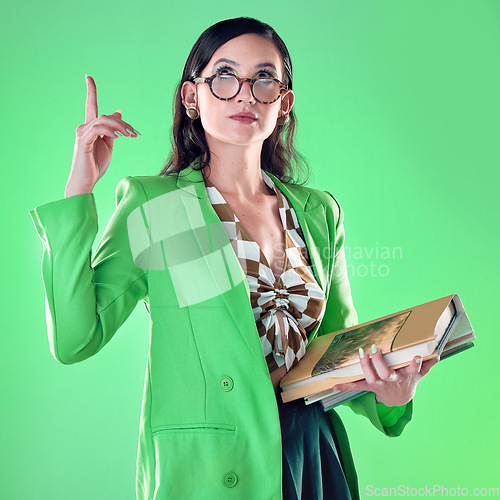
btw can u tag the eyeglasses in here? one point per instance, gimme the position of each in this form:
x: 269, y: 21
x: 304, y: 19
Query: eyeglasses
x: 225, y: 86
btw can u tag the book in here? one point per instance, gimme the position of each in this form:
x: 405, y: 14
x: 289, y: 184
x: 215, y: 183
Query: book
x: 437, y: 328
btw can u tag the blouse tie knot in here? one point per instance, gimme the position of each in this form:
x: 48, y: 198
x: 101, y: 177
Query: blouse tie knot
x: 281, y: 296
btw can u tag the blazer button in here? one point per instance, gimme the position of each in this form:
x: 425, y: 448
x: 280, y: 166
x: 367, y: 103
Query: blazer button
x: 226, y: 383
x: 230, y: 479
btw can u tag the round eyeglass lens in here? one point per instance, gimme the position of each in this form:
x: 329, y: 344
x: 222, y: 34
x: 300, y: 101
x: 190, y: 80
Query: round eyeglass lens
x: 226, y: 87
x: 266, y: 90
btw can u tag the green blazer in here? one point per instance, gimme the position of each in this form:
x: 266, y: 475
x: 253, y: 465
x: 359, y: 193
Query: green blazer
x: 209, y: 426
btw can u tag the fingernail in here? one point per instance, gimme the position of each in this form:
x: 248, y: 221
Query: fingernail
x: 118, y: 133
x: 119, y: 111
x: 361, y: 353
x: 85, y: 77
x: 374, y: 348
x: 418, y: 360
x: 133, y: 131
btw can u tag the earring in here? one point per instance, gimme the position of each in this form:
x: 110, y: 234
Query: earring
x: 192, y: 112
x: 282, y: 119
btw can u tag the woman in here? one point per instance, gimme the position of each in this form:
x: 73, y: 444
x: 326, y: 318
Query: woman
x: 238, y: 268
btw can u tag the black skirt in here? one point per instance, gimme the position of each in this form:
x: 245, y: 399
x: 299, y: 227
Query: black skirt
x: 311, y: 466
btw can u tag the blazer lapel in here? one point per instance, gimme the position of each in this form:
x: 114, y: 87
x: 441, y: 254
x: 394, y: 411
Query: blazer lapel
x: 237, y: 301
x: 211, y: 237
x: 312, y: 220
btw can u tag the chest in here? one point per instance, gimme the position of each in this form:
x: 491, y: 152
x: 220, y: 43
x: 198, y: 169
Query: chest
x: 262, y: 221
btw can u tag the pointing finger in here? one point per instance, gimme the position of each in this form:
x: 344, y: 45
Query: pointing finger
x: 91, y: 103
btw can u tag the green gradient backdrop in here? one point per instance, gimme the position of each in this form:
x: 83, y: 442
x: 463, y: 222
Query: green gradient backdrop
x: 401, y: 124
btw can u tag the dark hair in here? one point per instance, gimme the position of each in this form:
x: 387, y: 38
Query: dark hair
x: 278, y: 154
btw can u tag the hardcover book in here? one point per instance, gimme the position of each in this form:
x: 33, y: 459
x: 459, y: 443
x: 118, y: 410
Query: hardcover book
x: 437, y: 328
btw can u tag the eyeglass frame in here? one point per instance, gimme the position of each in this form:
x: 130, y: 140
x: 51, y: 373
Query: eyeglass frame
x: 241, y: 81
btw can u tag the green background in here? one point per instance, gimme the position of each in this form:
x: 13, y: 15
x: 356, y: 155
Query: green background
x: 398, y: 110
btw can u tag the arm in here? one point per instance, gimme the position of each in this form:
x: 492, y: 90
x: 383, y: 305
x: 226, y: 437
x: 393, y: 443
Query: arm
x: 340, y: 313
x: 389, y: 420
x: 87, y: 300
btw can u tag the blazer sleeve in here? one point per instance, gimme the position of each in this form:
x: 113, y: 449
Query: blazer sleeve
x: 87, y: 299
x: 340, y: 313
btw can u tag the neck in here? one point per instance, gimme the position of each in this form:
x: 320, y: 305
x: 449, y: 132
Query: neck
x: 236, y: 170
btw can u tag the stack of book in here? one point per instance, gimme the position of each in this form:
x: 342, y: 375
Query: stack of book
x: 437, y: 328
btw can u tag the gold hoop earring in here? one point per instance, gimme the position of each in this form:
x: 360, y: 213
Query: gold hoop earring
x: 282, y: 119
x: 192, y: 112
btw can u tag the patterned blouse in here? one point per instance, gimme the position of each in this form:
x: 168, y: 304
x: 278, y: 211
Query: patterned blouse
x: 297, y: 293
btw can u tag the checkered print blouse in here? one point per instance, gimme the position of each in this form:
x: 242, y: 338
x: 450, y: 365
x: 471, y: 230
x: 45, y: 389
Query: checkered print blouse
x: 296, y: 293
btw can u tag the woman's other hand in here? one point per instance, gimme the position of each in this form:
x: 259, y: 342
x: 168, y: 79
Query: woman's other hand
x: 94, y: 144
x: 392, y: 387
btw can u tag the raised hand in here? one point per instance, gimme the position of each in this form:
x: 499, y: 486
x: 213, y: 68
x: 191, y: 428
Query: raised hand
x: 94, y: 144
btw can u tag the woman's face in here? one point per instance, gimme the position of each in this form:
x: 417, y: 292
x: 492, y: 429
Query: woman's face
x: 247, y: 56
